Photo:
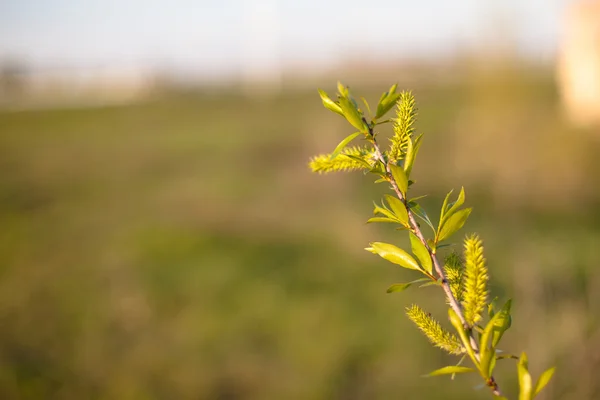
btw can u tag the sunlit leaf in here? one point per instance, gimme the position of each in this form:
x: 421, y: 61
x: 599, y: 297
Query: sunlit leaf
x: 501, y: 324
x: 487, y: 353
x: 366, y: 105
x: 384, y: 211
x: 398, y: 208
x: 457, y: 324
x: 420, y: 251
x: 352, y: 114
x: 400, y: 178
x: 382, y: 219
x: 444, y: 207
x: 394, y: 255
x: 330, y: 104
x: 411, y: 153
x: 437, y: 282
x: 453, y: 224
x: 451, y: 369
x: 399, y: 287
x: 420, y: 212
x: 456, y: 205
x: 342, y: 90
x: 343, y: 144
x: 543, y: 381
x: 387, y: 101
x: 525, y: 384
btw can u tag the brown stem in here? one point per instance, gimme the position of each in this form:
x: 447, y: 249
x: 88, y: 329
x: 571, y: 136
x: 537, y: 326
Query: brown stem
x: 438, y: 268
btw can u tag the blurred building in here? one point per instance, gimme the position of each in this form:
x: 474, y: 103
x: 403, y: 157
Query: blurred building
x: 579, y: 63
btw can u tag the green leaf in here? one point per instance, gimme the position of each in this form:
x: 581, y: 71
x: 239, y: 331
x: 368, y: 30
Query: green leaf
x: 437, y: 282
x: 451, y: 369
x: 359, y: 159
x: 487, y: 353
x: 394, y: 254
x: 342, y: 90
x: 398, y: 208
x: 414, y: 199
x: 457, y: 324
x: 420, y: 212
x: 492, y: 307
x: 502, y: 324
x: 382, y: 219
x: 400, y: 178
x: 383, y: 211
x: 421, y: 252
x: 366, y: 105
x: 399, y: 287
x: 543, y: 381
x: 459, y: 202
x: 352, y: 114
x: 343, y: 144
x: 330, y: 104
x: 411, y: 153
x: 453, y: 224
x: 387, y: 101
x: 525, y: 385
x: 444, y: 207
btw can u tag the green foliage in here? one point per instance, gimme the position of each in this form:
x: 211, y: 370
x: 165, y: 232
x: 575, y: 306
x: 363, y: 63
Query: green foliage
x: 394, y: 254
x: 464, y: 283
x: 349, y: 159
x: 451, y: 370
x: 476, y: 277
x: 437, y: 335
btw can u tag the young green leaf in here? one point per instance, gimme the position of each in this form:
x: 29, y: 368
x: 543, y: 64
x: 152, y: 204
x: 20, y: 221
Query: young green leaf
x: 366, y: 105
x: 342, y: 90
x: 411, y: 153
x: 456, y: 205
x: 444, y: 209
x: 421, y: 252
x: 330, y: 104
x: 450, y: 369
x: 398, y: 208
x: 399, y: 287
x: 453, y: 224
x: 352, y: 114
x: 487, y: 353
x: 492, y: 307
x: 384, y: 211
x: 501, y: 324
x: 382, y: 219
x: 394, y: 254
x: 400, y: 177
x: 420, y: 212
x: 525, y: 385
x: 437, y: 282
x: 457, y: 324
x: 543, y: 381
x: 387, y: 101
x: 343, y: 144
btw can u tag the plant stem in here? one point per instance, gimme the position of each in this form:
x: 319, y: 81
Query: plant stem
x: 491, y: 382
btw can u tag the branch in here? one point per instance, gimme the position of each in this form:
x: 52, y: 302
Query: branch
x: 491, y: 382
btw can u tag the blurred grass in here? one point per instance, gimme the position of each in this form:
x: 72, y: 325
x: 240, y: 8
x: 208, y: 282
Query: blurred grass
x: 180, y: 248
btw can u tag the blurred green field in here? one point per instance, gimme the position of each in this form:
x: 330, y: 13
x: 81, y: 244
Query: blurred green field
x: 181, y: 249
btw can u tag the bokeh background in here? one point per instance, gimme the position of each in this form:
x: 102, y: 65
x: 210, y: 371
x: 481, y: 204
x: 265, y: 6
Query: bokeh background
x: 161, y: 236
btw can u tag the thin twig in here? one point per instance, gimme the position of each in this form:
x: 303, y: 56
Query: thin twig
x: 491, y: 382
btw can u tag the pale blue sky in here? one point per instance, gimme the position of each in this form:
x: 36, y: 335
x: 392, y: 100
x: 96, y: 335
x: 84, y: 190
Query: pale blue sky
x: 220, y: 37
